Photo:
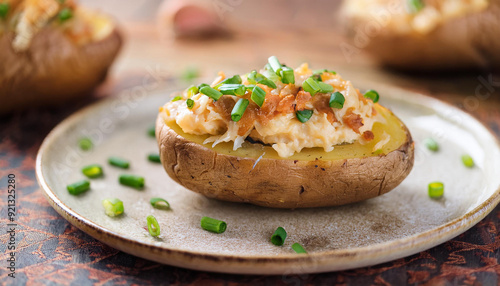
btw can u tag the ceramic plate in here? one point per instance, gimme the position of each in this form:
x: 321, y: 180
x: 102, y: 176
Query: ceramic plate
x: 400, y: 223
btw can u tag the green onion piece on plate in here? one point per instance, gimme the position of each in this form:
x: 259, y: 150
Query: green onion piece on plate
x: 190, y: 103
x: 211, y: 92
x: 202, y: 85
x: 65, y: 14
x: 268, y: 82
x: 311, y: 86
x: 154, y: 157
x: 232, y: 89
x: 468, y: 161
x: 4, y: 10
x: 78, y: 187
x: 85, y: 143
x: 213, y: 225
x: 254, y: 77
x: 258, y: 96
x: 92, y: 171
x: 372, y: 94
x: 113, y: 207
x: 337, y: 100
x: 431, y: 144
x: 279, y: 236
x: 436, y: 190
x: 153, y: 226
x: 298, y: 248
x: 177, y: 98
x: 192, y: 90
x: 275, y: 65
x: 133, y: 181
x: 159, y: 203
x: 232, y: 80
x: 304, y: 115
x: 238, y: 109
x: 414, y: 6
x: 287, y: 75
x: 324, y: 87
x: 151, y: 131
x: 118, y: 162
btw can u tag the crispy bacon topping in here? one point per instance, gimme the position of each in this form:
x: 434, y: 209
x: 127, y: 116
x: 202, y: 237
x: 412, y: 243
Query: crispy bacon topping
x: 353, y: 120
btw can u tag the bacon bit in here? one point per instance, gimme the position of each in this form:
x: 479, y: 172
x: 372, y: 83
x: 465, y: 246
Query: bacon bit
x: 287, y: 104
x: 302, y: 98
x: 321, y: 103
x: 224, y: 106
x: 353, y: 120
x: 368, y: 135
x: 247, y: 121
x: 268, y: 109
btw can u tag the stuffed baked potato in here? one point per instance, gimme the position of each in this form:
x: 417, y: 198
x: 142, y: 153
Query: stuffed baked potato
x: 52, y: 51
x: 283, y: 138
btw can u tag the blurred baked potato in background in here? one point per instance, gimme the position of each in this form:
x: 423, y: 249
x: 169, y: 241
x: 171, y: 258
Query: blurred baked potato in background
x: 426, y: 34
x: 52, y: 51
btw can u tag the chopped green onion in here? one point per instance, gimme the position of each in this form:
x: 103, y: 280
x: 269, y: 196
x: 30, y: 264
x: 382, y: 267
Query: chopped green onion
x: 192, y: 90
x: 238, y: 109
x: 275, y: 65
x: 287, y: 75
x: 317, y: 77
x: 190, y: 73
x: 202, y: 85
x: 337, y: 100
x: 211, y: 92
x: 232, y: 80
x: 177, y: 98
x: 78, y: 187
x: 151, y: 131
x: 414, y: 6
x: 154, y: 158
x: 431, y: 144
x: 436, y: 190
x: 113, y: 207
x: 279, y: 236
x: 159, y: 203
x: 190, y: 103
x: 233, y: 89
x: 258, y: 96
x: 304, y: 115
x: 85, y: 144
x: 132, y: 181
x: 92, y: 171
x: 298, y: 248
x: 325, y: 87
x: 153, y: 226
x: 321, y: 71
x: 4, y: 10
x: 311, y: 86
x: 254, y: 77
x: 268, y: 82
x: 372, y: 94
x: 468, y: 161
x: 65, y: 14
x: 213, y: 225
x: 119, y: 162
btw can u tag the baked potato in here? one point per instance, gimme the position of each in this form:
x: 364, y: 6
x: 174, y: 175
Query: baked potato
x: 52, y: 51
x: 273, y: 156
x: 425, y: 34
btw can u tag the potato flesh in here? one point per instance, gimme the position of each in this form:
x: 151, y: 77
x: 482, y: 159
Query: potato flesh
x: 393, y: 127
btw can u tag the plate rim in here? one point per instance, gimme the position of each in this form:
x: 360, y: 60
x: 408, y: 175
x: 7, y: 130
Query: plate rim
x: 330, y: 260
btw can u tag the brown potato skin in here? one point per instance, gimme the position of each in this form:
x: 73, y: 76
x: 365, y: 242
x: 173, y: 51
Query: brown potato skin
x: 468, y: 42
x: 281, y: 183
x: 54, y: 69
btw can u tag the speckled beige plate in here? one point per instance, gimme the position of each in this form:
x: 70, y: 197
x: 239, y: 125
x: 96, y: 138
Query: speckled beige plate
x: 400, y: 223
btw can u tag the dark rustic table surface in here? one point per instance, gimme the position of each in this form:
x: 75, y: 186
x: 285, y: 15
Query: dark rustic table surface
x: 52, y: 251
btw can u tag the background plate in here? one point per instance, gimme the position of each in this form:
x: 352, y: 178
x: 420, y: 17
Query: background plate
x: 400, y: 223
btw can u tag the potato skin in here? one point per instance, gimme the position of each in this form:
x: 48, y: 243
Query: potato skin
x: 53, y: 70
x: 467, y: 42
x: 281, y: 183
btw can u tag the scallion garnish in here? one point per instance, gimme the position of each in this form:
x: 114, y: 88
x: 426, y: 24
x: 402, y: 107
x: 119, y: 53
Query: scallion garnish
x: 85, y: 144
x: 431, y: 144
x: 298, y: 248
x: 92, y: 171
x: 4, y: 10
x: 190, y: 73
x: 436, y: 190
x: 177, y: 98
x: 113, y: 207
x: 213, y: 225
x: 159, y: 203
x: 119, y: 162
x: 190, y: 103
x: 232, y: 89
x: 321, y: 71
x: 372, y: 94
x: 78, y: 187
x: 211, y: 92
x: 133, y: 181
x: 153, y: 226
x: 238, y: 109
x: 154, y: 157
x: 414, y: 6
x: 192, y: 91
x: 254, y: 77
x: 279, y: 236
x: 275, y: 65
x: 268, y: 82
x: 311, y: 86
x: 337, y: 100
x: 287, y: 75
x: 236, y: 79
x: 151, y: 131
x: 324, y: 87
x: 202, y: 85
x: 258, y: 96
x: 468, y: 161
x: 65, y: 14
x: 304, y: 115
